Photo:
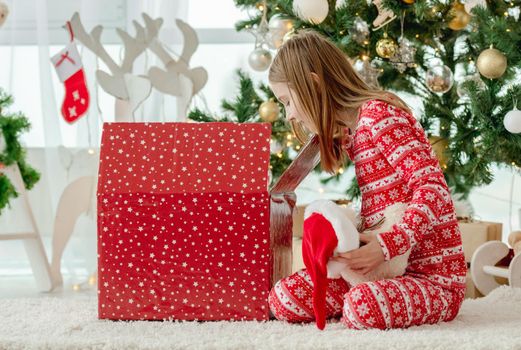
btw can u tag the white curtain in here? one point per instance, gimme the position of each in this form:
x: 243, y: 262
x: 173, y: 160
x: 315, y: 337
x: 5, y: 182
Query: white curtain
x: 61, y: 165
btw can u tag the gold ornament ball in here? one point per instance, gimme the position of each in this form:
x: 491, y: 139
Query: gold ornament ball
x: 491, y: 63
x: 439, y: 146
x: 386, y: 47
x: 269, y: 111
x: 460, y: 17
x: 408, y: 2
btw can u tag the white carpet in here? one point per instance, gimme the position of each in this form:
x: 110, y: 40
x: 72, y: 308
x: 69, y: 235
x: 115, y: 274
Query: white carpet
x: 493, y: 322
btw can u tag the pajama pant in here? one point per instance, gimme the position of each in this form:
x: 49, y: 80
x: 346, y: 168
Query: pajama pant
x: 393, y: 303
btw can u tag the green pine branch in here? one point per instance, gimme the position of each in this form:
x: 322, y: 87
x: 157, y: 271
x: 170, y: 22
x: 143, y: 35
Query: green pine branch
x: 12, y: 125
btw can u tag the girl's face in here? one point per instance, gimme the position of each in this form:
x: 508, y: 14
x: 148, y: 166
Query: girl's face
x: 291, y: 104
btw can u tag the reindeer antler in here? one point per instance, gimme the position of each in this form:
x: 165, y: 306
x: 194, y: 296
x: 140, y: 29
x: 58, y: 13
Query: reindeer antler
x: 167, y: 81
x: 134, y: 46
x: 93, y: 41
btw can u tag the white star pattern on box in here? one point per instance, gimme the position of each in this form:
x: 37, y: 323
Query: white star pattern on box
x: 181, y: 209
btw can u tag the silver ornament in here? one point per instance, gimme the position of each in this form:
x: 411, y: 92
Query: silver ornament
x: 404, y: 57
x: 259, y: 59
x: 514, y: 12
x: 278, y: 27
x: 462, y: 90
x: 360, y: 31
x: 439, y: 79
x: 367, y: 72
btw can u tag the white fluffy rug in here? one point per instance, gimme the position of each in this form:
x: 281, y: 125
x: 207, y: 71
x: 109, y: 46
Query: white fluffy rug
x: 493, y: 322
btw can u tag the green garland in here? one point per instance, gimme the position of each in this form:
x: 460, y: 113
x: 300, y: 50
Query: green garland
x: 11, y: 126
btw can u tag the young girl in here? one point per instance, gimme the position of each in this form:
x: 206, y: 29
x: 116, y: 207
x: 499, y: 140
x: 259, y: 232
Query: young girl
x: 394, y: 163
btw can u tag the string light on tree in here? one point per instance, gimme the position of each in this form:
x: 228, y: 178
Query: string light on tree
x: 313, y: 11
x: 491, y: 63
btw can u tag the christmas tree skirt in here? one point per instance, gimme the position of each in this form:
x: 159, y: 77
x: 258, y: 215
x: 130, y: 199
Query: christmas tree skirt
x: 54, y: 323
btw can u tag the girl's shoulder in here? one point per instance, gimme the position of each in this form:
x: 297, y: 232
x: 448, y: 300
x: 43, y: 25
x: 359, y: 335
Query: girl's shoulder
x: 378, y: 109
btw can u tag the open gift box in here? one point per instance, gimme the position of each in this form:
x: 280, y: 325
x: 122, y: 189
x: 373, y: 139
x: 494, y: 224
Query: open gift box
x: 187, y: 228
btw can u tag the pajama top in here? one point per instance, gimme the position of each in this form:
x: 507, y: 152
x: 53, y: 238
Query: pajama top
x: 394, y: 162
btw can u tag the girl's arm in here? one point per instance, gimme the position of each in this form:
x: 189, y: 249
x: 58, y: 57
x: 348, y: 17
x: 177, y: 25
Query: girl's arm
x: 403, y: 143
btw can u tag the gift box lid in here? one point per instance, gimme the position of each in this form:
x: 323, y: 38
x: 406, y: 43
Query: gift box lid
x: 173, y: 157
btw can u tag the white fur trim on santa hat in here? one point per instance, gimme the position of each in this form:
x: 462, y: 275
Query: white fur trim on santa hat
x: 339, y: 217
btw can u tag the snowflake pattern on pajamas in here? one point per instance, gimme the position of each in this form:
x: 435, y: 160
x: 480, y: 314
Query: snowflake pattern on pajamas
x: 394, y: 162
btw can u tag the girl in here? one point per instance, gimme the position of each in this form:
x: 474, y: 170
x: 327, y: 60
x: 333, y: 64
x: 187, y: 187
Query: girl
x: 394, y: 163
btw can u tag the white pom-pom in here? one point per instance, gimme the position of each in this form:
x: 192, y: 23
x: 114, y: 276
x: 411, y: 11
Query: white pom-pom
x: 512, y: 121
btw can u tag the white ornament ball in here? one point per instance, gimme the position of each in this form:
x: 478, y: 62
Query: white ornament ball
x: 470, y: 4
x: 4, y: 11
x: 313, y: 11
x: 512, y: 121
x: 259, y: 59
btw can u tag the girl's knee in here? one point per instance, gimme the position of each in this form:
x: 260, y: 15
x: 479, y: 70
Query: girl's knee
x: 359, y: 309
x: 285, y: 306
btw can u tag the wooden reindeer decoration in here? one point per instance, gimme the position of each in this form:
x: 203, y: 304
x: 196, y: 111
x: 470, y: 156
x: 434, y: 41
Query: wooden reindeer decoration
x: 178, y: 79
x: 130, y: 90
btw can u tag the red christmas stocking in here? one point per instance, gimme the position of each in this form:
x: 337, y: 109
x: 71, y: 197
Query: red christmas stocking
x: 70, y: 71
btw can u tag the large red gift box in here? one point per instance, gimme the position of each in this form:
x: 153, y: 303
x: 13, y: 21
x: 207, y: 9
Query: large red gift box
x: 183, y: 221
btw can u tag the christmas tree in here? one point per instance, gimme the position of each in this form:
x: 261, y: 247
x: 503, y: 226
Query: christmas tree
x: 11, y: 151
x: 461, y: 60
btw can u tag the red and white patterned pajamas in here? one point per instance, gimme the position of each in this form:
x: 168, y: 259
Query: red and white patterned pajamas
x: 394, y: 162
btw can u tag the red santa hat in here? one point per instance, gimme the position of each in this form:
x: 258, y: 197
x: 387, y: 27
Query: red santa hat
x: 328, y: 229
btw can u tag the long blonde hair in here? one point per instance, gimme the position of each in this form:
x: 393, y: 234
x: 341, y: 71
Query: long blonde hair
x: 339, y: 88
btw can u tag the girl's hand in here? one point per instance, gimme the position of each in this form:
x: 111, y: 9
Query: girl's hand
x: 365, y: 258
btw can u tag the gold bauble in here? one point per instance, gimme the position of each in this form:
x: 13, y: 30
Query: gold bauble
x: 408, y: 2
x: 269, y: 110
x: 460, y: 17
x: 439, y: 146
x: 491, y: 63
x: 386, y: 47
